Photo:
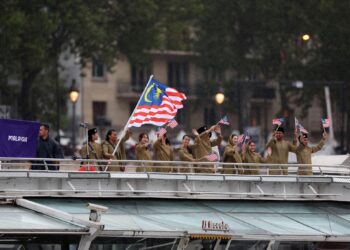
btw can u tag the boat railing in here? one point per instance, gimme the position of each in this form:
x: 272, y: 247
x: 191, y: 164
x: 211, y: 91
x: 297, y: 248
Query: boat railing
x: 170, y: 167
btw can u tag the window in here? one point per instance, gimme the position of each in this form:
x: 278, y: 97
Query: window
x: 99, y: 114
x: 139, y: 77
x: 178, y: 75
x: 132, y: 106
x: 98, y: 70
x: 255, y: 115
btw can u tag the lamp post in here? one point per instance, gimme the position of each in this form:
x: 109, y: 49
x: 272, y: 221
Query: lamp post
x: 219, y: 99
x: 305, y: 37
x: 73, y: 97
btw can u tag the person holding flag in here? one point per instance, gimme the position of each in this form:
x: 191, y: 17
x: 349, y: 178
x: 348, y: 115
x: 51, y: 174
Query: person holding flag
x: 249, y: 155
x: 108, y: 146
x: 304, y: 151
x: 163, y: 152
x: 157, y: 106
x: 232, y: 155
x: 143, y: 153
x: 91, y: 149
x: 203, y: 145
x: 279, y: 151
x: 185, y: 153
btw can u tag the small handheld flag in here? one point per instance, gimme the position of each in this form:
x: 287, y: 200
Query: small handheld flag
x: 302, y: 129
x: 241, y: 139
x: 325, y: 123
x: 211, y: 157
x: 161, y: 131
x: 296, y: 122
x: 278, y: 121
x: 224, y: 121
x: 172, y: 124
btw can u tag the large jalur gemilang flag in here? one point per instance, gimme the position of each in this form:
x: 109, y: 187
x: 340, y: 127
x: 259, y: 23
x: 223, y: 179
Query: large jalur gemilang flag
x: 158, y: 104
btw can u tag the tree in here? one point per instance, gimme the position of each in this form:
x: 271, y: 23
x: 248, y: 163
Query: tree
x: 34, y: 34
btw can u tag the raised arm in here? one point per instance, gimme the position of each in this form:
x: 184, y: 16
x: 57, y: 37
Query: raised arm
x: 319, y: 146
x: 217, y: 141
x: 127, y: 135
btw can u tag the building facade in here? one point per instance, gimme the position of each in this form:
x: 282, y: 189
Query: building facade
x: 108, y: 97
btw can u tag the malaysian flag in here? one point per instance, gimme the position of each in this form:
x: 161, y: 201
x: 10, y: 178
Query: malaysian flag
x: 212, y: 157
x: 224, y: 121
x: 241, y: 138
x: 161, y: 131
x: 157, y: 105
x: 173, y: 123
x: 325, y: 123
x: 302, y: 129
x: 296, y: 122
x: 278, y: 121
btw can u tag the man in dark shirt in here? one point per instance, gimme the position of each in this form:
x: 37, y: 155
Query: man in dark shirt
x: 46, y: 148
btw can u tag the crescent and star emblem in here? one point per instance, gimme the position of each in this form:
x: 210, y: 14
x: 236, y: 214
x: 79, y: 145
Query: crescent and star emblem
x: 158, y: 92
x: 147, y: 92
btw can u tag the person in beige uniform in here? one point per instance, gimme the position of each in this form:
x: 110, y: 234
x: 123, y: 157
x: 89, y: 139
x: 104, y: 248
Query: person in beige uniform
x: 304, y: 152
x: 143, y: 153
x: 94, y: 152
x: 203, y: 146
x: 108, y: 147
x: 232, y: 155
x: 250, y: 156
x: 163, y: 152
x: 185, y: 153
x: 279, y: 152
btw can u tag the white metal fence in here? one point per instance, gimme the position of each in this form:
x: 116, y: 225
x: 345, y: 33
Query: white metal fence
x: 171, y: 167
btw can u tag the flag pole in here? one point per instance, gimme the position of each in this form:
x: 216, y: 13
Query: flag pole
x: 278, y: 126
x: 324, y: 129
x: 127, y: 124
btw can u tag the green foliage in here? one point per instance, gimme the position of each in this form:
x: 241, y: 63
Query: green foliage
x: 34, y: 33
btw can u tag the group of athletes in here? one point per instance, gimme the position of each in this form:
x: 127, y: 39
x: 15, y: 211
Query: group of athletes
x: 201, y: 150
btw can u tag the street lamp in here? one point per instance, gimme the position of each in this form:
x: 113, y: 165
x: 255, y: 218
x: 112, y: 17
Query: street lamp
x: 305, y: 37
x: 73, y: 97
x: 220, y: 97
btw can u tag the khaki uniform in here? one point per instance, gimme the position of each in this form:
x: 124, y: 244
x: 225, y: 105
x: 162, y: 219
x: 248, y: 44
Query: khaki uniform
x: 185, y: 155
x: 304, y: 157
x: 231, y: 154
x: 108, y: 149
x: 202, y: 147
x: 163, y: 152
x: 253, y: 157
x: 280, y: 149
x: 143, y: 153
x: 95, y: 152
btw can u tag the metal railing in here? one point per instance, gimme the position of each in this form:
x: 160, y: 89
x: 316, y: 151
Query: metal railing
x: 170, y: 167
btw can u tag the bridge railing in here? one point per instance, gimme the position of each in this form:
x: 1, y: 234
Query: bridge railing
x: 170, y: 167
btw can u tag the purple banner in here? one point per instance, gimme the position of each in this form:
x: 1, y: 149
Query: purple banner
x: 18, y: 138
